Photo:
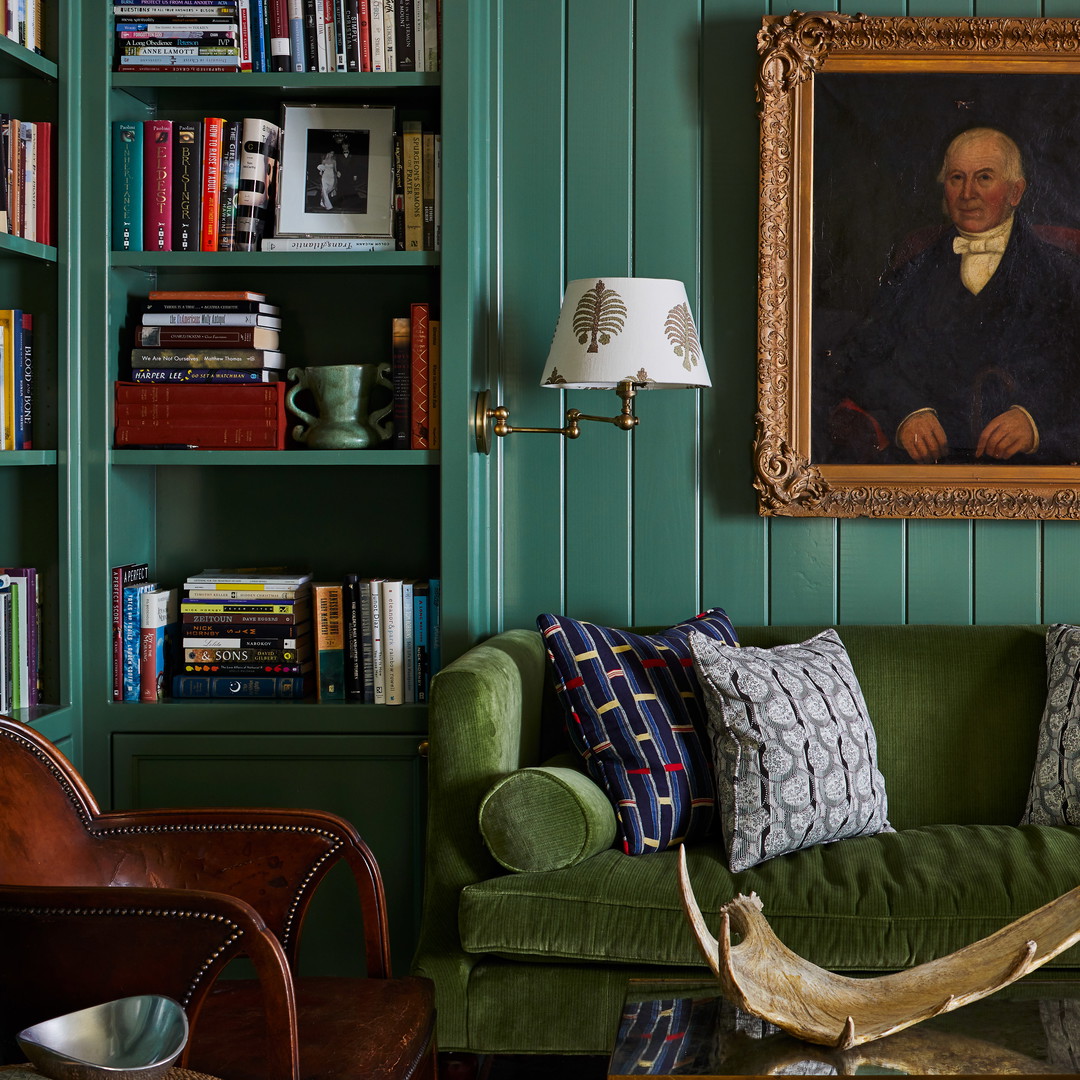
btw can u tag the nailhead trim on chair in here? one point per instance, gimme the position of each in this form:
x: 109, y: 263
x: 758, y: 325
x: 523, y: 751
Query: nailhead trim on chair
x: 290, y: 916
x: 175, y: 913
x: 51, y: 766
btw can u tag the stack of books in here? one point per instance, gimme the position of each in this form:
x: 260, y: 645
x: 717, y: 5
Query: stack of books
x: 416, y: 362
x: 16, y: 380
x: 205, y: 374
x: 279, y: 35
x: 182, y: 35
x: 193, y: 185
x: 26, y: 179
x: 245, y: 633
x: 144, y: 634
x: 376, y: 639
x: 20, y: 632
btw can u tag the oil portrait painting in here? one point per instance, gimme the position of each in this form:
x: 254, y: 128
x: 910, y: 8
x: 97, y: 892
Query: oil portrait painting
x: 919, y: 318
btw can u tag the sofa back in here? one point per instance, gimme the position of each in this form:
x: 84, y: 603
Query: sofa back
x: 956, y: 710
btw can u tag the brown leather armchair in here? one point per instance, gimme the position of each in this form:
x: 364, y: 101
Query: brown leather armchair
x: 96, y: 906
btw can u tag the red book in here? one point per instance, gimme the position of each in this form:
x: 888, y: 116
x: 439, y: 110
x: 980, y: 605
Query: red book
x: 257, y: 395
x: 157, y: 185
x: 419, y: 435
x: 213, y: 127
x: 222, y: 435
x: 169, y: 414
x: 204, y: 294
x: 364, y: 22
x: 43, y: 171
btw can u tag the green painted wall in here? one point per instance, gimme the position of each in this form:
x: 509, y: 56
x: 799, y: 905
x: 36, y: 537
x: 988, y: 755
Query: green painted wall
x: 628, y: 144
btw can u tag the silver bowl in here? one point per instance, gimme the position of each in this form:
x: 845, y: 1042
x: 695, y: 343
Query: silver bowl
x: 133, y: 1038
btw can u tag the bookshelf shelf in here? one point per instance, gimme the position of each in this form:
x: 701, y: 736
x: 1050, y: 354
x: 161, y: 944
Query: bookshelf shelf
x: 277, y: 458
x: 263, y: 260
x: 17, y: 245
x: 14, y: 458
x: 17, y: 61
x: 318, y: 85
x: 258, y: 717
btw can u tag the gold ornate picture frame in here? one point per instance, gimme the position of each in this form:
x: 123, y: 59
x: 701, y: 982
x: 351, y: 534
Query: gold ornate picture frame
x: 866, y: 194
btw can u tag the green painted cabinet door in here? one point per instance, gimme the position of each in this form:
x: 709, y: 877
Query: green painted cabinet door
x: 375, y: 781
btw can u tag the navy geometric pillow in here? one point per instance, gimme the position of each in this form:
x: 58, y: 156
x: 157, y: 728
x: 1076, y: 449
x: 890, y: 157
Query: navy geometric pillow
x: 634, y: 712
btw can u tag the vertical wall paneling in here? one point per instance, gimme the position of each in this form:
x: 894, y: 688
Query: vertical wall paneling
x: 940, y: 572
x: 734, y: 539
x: 1060, y: 581
x: 599, y: 508
x: 1008, y: 564
x: 667, y: 243
x: 652, y: 106
x: 871, y: 571
x: 531, y: 238
x: 803, y: 578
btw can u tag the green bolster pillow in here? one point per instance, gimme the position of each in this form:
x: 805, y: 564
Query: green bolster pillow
x: 545, y: 818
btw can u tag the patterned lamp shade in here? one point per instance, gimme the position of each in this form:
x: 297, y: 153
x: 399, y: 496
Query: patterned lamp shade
x: 613, y: 329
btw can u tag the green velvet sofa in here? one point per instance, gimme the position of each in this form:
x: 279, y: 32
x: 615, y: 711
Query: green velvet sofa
x: 538, y: 962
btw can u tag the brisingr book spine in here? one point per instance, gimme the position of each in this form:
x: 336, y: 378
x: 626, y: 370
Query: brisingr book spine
x: 187, y: 186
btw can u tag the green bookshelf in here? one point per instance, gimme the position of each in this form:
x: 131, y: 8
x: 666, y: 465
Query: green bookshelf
x: 85, y: 506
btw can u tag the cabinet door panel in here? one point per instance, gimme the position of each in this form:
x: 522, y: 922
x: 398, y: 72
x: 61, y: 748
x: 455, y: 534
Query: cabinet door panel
x: 375, y: 781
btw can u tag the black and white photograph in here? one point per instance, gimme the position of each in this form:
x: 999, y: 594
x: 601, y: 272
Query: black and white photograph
x: 336, y: 171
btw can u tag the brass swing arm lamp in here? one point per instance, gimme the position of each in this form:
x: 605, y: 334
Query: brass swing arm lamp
x: 494, y: 421
x: 607, y: 327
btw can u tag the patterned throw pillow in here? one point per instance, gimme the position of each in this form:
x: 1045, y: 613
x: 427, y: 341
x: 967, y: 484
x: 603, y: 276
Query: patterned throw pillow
x: 1054, y: 795
x: 794, y: 749
x: 633, y: 711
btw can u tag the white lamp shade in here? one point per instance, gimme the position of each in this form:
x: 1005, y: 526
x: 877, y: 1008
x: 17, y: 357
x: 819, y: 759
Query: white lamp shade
x: 613, y: 329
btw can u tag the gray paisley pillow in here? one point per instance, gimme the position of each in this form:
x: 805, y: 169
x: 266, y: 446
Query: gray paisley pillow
x: 1054, y: 796
x: 793, y: 746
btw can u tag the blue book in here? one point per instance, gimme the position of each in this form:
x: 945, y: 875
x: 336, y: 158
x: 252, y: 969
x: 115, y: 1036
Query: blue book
x: 238, y: 686
x: 258, y: 37
x: 434, y: 626
x: 408, y: 640
x: 129, y: 634
x: 420, y: 634
x: 126, y: 228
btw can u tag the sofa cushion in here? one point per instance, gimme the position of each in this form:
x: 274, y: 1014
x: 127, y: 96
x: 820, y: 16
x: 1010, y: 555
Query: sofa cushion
x: 632, y: 709
x: 1054, y: 795
x: 872, y: 903
x: 545, y: 818
x: 794, y: 750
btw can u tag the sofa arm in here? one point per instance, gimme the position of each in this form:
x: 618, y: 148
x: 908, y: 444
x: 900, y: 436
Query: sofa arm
x: 483, y: 722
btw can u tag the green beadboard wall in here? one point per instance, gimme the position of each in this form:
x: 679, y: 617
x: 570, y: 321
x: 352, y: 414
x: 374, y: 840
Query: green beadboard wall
x: 627, y: 144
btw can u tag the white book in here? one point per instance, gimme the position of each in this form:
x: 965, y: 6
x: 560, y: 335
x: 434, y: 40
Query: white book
x: 377, y: 657
x: 223, y: 578
x: 176, y: 59
x: 418, y: 35
x: 431, y: 35
x: 393, y: 641
x: 235, y: 643
x: 389, y: 39
x: 328, y: 243
x: 170, y: 30
x: 260, y: 141
x: 187, y: 318
x: 378, y: 36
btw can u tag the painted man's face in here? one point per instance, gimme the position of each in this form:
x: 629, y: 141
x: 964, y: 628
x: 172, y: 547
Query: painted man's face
x: 977, y: 195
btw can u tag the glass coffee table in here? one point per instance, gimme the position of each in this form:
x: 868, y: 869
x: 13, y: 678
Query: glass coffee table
x: 686, y: 1029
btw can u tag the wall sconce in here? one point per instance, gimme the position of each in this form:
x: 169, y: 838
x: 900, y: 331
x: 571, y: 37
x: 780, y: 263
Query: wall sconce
x: 625, y: 334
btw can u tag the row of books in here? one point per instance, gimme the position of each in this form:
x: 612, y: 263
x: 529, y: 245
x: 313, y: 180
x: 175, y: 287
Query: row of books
x: 229, y: 633
x: 416, y: 373
x: 376, y: 639
x: 23, y: 23
x: 279, y: 35
x: 200, y: 185
x: 20, y: 634
x: 26, y: 179
x: 16, y: 379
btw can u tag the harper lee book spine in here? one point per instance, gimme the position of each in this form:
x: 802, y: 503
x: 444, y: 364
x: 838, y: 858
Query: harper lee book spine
x: 127, y: 181
x: 227, y: 686
x: 157, y: 166
x: 213, y: 127
x: 220, y: 376
x: 187, y: 185
x: 419, y: 431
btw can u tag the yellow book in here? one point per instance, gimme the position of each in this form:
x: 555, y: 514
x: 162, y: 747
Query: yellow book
x: 7, y: 404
